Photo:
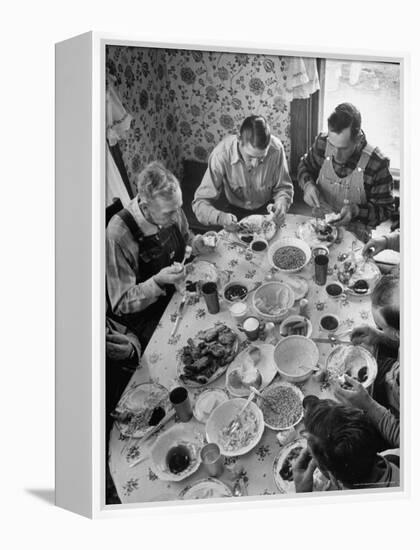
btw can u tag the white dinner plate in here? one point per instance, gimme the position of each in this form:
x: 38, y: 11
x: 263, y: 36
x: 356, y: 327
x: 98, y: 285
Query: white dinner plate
x: 205, y: 488
x: 260, y: 225
x: 266, y: 366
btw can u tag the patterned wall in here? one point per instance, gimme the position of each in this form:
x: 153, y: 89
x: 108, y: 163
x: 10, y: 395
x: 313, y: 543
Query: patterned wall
x: 184, y: 102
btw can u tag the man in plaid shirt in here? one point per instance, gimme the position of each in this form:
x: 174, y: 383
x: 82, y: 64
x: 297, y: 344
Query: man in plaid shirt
x: 145, y: 243
x: 343, y: 173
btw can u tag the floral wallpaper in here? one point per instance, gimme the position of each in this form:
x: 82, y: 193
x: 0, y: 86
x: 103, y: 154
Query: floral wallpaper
x: 184, y: 102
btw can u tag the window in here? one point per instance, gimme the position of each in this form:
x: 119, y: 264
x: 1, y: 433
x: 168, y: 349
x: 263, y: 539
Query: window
x: 374, y: 88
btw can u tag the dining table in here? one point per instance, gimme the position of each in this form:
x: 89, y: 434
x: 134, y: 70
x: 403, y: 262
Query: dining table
x: 129, y: 458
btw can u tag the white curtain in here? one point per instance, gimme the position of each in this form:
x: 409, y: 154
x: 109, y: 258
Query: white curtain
x: 117, y: 124
x: 302, y: 78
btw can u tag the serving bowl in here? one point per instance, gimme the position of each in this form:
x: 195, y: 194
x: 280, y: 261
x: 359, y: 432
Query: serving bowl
x: 296, y: 357
x: 289, y: 242
x: 245, y: 437
x: 273, y: 294
x: 283, y: 396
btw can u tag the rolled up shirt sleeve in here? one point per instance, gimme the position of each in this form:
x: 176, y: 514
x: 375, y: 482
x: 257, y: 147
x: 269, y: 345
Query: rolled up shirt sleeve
x: 125, y: 295
x: 283, y: 188
x: 208, y: 191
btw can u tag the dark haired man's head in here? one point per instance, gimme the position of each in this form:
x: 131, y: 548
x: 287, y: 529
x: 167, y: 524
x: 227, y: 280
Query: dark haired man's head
x: 342, y: 439
x: 255, y: 138
x: 344, y: 130
x: 386, y: 305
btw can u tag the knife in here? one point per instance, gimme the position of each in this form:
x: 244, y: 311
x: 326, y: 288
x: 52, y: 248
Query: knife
x: 179, y: 314
x: 331, y: 341
x: 168, y: 417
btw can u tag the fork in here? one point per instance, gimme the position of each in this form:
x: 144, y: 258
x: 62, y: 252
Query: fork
x: 234, y: 424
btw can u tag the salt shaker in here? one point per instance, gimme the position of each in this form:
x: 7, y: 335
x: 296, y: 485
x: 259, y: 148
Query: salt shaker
x: 303, y: 308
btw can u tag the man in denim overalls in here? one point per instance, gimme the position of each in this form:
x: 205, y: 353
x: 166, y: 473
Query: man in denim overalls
x: 145, y: 243
x: 344, y: 174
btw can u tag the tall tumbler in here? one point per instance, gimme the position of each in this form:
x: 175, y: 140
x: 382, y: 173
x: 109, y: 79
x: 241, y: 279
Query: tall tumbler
x: 211, y: 297
x: 321, y: 268
x: 181, y: 402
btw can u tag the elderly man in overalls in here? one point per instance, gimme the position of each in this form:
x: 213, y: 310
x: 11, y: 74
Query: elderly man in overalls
x: 344, y: 174
x: 146, y: 242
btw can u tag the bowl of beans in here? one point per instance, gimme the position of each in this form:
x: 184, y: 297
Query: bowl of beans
x: 289, y: 254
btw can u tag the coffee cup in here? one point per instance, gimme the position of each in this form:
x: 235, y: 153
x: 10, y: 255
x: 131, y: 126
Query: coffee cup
x: 334, y: 289
x: 258, y: 245
x: 252, y: 326
x: 329, y: 322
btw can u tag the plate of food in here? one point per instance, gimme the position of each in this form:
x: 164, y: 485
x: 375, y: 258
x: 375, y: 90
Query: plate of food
x: 207, y: 356
x: 141, y: 409
x: 248, y: 433
x: 289, y: 254
x: 355, y: 361
x: 358, y: 275
x: 253, y: 366
x: 281, y: 405
x: 207, y: 401
x: 257, y: 224
x: 205, y: 488
x: 317, y: 231
x: 201, y: 271
x: 175, y: 455
x: 283, y: 468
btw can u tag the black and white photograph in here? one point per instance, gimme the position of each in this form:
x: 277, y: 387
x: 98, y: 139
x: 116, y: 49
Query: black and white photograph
x: 252, y: 274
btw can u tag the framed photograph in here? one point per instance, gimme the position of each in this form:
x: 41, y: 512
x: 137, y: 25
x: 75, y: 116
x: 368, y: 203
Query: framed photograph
x: 228, y: 225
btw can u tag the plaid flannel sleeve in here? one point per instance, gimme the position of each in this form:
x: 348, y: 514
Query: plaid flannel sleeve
x: 378, y: 186
x: 125, y: 295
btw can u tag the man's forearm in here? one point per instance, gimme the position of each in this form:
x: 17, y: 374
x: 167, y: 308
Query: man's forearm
x: 138, y: 297
x: 205, y: 212
x: 387, y: 424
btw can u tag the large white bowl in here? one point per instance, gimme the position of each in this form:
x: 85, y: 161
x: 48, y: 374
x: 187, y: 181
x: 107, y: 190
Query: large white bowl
x: 289, y: 241
x: 223, y: 415
x: 179, y: 434
x: 294, y: 356
x: 269, y: 292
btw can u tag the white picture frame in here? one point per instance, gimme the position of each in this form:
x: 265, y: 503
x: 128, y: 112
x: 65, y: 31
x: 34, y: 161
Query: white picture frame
x: 80, y: 272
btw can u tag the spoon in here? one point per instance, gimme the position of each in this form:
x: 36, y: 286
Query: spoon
x: 187, y: 255
x: 261, y: 396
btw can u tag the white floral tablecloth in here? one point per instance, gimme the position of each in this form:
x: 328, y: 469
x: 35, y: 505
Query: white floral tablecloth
x: 159, y: 363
